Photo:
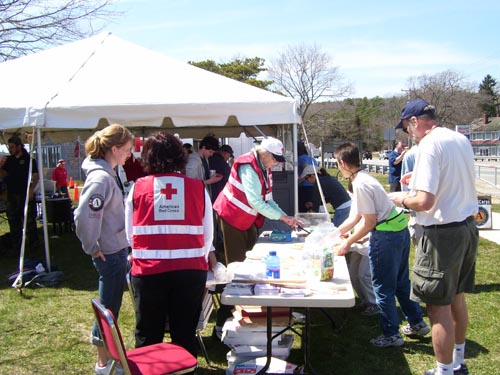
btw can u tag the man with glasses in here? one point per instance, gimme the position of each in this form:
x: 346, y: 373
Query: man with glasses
x: 244, y: 203
x: 443, y: 195
x: 247, y: 199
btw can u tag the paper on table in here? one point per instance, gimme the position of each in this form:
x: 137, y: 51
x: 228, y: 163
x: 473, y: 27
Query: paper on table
x: 292, y: 292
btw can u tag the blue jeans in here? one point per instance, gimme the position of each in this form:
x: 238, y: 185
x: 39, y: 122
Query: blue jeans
x: 340, y: 215
x: 111, y: 281
x: 388, y: 255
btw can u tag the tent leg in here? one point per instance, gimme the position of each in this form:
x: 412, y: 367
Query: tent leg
x: 44, y: 210
x: 295, y: 168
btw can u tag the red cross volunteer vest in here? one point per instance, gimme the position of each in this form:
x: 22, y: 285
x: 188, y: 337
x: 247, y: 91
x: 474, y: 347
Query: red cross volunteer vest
x: 167, y: 223
x: 232, y: 204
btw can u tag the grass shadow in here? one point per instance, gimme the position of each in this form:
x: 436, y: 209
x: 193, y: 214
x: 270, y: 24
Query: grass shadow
x: 474, y: 349
x: 336, y: 328
x: 486, y: 288
x: 66, y: 255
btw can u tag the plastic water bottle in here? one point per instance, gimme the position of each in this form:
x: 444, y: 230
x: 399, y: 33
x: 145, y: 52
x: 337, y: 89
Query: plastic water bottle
x: 272, y: 266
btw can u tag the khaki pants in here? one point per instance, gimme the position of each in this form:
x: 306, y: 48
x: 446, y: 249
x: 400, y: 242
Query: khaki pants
x: 237, y: 242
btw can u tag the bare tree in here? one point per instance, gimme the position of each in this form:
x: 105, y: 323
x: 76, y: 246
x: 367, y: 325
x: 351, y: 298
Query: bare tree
x: 27, y: 26
x: 307, y: 73
x: 455, y: 99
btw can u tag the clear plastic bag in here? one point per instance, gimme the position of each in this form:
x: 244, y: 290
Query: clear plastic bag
x: 318, y: 252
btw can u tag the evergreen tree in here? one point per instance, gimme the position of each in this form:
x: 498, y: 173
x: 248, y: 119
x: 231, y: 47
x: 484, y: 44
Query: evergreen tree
x: 243, y: 70
x: 488, y: 96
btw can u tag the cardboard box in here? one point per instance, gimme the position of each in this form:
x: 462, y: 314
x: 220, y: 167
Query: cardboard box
x: 253, y: 366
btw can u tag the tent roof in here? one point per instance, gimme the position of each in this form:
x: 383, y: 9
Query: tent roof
x: 88, y: 84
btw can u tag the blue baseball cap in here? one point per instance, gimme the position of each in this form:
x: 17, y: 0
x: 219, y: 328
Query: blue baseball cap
x: 417, y: 107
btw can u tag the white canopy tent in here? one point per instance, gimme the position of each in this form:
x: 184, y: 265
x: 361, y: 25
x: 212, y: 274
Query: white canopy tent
x: 75, y: 89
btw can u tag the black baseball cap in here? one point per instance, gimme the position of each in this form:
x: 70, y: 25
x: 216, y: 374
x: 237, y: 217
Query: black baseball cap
x: 228, y: 149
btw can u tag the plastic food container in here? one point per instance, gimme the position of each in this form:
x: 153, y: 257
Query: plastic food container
x: 280, y: 236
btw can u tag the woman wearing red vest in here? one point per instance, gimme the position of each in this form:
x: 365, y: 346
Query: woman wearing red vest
x: 170, y: 228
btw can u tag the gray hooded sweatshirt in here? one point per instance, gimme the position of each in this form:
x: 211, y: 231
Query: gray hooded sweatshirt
x: 100, y: 216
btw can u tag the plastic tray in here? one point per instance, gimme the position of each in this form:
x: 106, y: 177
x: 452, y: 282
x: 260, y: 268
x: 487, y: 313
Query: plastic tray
x: 311, y: 220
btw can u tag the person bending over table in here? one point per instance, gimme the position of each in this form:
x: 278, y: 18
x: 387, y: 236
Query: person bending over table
x: 169, y: 224
x: 389, y: 247
x: 247, y: 199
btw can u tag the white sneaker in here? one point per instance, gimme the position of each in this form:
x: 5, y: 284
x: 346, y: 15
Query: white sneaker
x: 106, y: 369
x: 420, y: 329
x: 386, y: 341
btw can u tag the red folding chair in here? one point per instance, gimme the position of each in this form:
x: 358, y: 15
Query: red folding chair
x: 206, y: 309
x: 157, y: 359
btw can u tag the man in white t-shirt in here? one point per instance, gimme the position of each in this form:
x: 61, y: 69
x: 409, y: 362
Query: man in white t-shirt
x: 445, y: 200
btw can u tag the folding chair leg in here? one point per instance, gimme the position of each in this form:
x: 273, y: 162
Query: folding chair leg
x: 202, y: 347
x: 130, y: 341
x: 216, y: 299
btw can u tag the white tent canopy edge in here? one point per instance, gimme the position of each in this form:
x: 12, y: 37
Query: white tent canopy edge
x: 78, y: 88
x: 74, y: 86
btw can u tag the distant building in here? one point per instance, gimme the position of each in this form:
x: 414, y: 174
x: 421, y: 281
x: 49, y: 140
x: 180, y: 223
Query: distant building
x: 73, y: 154
x: 484, y: 136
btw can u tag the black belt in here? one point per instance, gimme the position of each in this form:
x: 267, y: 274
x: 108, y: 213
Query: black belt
x: 450, y: 225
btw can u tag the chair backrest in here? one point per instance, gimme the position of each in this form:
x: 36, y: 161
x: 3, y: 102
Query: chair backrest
x: 110, y: 333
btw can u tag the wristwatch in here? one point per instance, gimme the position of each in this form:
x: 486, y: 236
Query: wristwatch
x: 403, y: 204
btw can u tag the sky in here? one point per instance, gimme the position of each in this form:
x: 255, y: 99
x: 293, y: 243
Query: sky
x: 376, y: 45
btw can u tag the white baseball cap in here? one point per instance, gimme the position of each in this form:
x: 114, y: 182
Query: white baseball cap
x: 308, y: 169
x: 275, y: 147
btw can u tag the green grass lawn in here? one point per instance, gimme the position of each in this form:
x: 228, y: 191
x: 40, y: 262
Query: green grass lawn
x: 45, y: 331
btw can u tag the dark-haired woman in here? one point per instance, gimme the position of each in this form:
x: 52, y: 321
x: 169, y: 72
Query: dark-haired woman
x: 389, y: 246
x: 170, y: 228
x: 336, y: 195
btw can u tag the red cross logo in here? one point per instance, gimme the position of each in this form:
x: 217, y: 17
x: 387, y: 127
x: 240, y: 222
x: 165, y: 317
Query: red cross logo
x: 168, y: 191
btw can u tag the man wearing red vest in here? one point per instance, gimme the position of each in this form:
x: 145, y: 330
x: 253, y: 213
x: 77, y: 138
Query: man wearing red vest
x: 247, y: 199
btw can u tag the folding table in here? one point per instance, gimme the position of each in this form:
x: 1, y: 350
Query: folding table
x: 335, y: 293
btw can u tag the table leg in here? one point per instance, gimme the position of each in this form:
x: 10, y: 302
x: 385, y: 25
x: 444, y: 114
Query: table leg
x: 330, y: 318
x: 269, y: 344
x: 306, y: 368
x: 306, y: 343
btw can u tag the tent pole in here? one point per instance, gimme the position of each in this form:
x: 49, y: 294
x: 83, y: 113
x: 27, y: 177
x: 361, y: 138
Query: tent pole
x: 308, y: 148
x: 79, y: 160
x: 44, y: 211
x: 295, y: 169
x: 18, y: 282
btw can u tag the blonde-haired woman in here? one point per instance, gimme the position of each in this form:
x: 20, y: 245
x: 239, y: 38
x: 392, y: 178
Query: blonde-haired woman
x: 100, y: 222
